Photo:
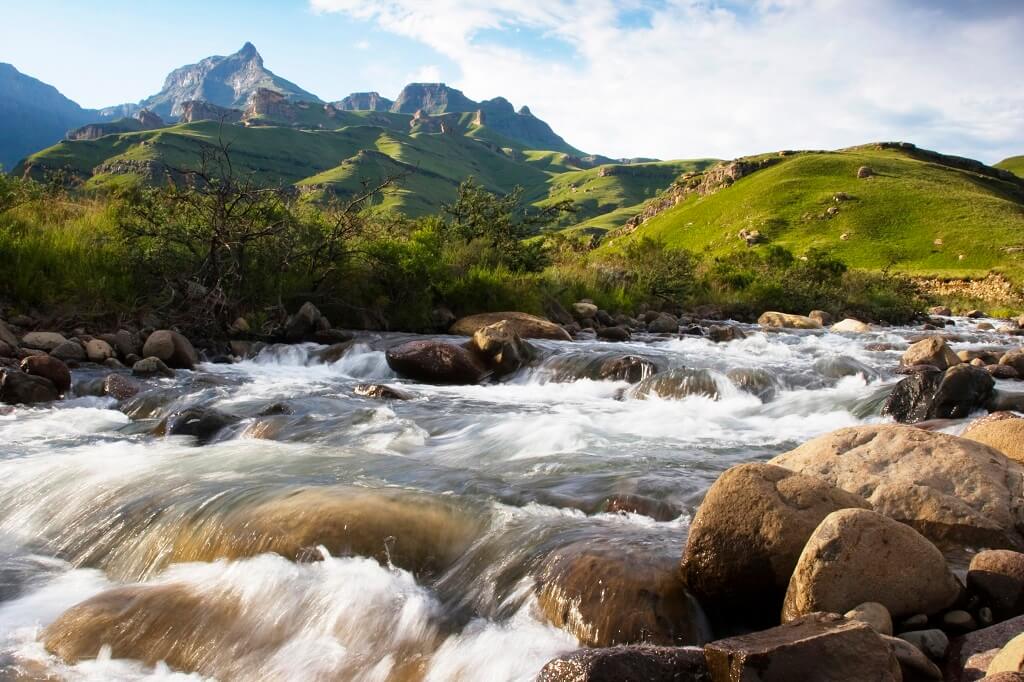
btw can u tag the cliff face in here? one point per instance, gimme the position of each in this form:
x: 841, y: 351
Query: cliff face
x: 432, y: 99
x: 204, y: 111
x: 33, y: 115
x: 365, y: 101
x: 223, y: 81
x: 521, y: 126
x: 143, y: 120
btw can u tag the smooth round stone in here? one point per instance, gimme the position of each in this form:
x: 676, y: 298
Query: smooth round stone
x: 933, y: 643
x: 959, y: 620
x: 874, y: 614
x: 914, y: 622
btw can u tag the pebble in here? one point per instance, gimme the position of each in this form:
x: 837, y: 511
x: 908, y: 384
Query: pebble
x: 959, y: 620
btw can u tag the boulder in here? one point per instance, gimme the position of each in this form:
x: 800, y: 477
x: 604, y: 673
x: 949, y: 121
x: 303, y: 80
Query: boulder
x: 748, y: 533
x: 663, y: 324
x: 839, y: 366
x: 954, y: 491
x: 604, y: 596
x: 436, y: 362
x: 7, y: 336
x: 754, y: 380
x: 987, y: 357
x: 930, y: 351
x: 98, y: 351
x: 676, y: 384
x: 627, y: 503
x: 125, y: 342
x: 1010, y: 658
x: 1002, y: 371
x: 929, y: 394
x: 527, y: 326
x: 1004, y: 677
x: 1015, y: 359
x: 865, y: 172
x: 149, y: 367
x: 331, y: 354
x: 69, y: 351
x: 787, y: 321
x: 631, y: 368
x: 857, y: 555
x: 302, y: 325
x: 615, y: 334
x: 501, y: 348
x: 19, y: 388
x: 943, y: 310
x: 969, y: 655
x: 933, y: 643
x: 914, y: 665
x: 120, y: 386
x: 50, y: 368
x: 997, y: 576
x: 46, y: 341
x: 6, y: 350
x: 381, y: 392
x: 628, y: 664
x: 822, y: 647
x: 821, y: 317
x: 172, y: 348
x: 874, y: 614
x: 974, y: 314
x: 584, y: 310
x: 720, y: 333
x: 1005, y: 435
x: 201, y: 423
x: 850, y: 326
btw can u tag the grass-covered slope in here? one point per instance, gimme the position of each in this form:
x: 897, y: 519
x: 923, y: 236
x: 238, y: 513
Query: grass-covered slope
x: 1014, y: 164
x: 919, y: 213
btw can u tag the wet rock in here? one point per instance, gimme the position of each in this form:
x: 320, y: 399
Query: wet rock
x: 821, y: 317
x: 604, y: 318
x: 605, y: 596
x: 911, y: 400
x: 1002, y: 372
x: 874, y: 614
x: 381, y: 392
x: 201, y: 423
x: 787, y: 321
x: 628, y: 664
x: 1015, y: 359
x: 501, y: 348
x: 747, y: 536
x: 303, y: 324
x: 69, y: 351
x: 527, y: 326
x: 954, y: 491
x: 614, y: 334
x: 149, y: 367
x: 120, y: 387
x: 46, y: 341
x: 914, y: 665
x: 332, y: 336
x: 754, y: 380
x: 940, y: 310
x: 50, y: 368
x: 968, y: 656
x: 930, y: 351
x: 997, y: 576
x: 19, y: 388
x: 436, y: 362
x: 850, y: 326
x: 725, y: 333
x: 332, y: 353
x: 820, y: 646
x: 932, y: 643
x: 839, y: 366
x: 173, y: 349
x: 631, y: 368
x: 987, y: 357
x: 974, y: 314
x: 857, y: 555
x: 1005, y: 435
x: 676, y: 384
x: 1010, y: 658
x: 645, y: 506
x: 99, y: 351
x: 953, y: 394
x: 663, y: 324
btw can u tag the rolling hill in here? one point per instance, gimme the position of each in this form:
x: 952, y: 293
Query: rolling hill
x: 1014, y: 164
x: 916, y: 211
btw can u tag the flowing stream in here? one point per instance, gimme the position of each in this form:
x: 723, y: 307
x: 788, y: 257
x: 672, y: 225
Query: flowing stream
x: 441, y: 508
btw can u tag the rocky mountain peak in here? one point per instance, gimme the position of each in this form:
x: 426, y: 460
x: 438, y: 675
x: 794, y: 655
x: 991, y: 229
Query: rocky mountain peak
x: 432, y: 98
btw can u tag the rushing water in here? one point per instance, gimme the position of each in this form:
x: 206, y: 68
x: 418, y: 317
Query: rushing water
x: 448, y: 502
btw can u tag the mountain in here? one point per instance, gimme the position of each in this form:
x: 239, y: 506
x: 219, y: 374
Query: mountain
x: 917, y: 211
x: 431, y: 98
x: 222, y: 81
x: 1014, y: 164
x: 365, y: 101
x: 33, y: 115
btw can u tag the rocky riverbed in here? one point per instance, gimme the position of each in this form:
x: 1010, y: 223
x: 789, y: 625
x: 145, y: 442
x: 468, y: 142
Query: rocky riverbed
x: 673, y: 501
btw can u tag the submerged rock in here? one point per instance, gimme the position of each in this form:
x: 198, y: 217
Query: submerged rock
x: 676, y: 384
x: 148, y: 367
x: 527, y: 326
x: 202, y: 423
x: 381, y: 392
x: 436, y: 362
x: 756, y: 381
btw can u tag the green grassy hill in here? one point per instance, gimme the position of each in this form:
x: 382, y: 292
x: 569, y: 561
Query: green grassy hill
x: 1014, y: 164
x: 920, y: 213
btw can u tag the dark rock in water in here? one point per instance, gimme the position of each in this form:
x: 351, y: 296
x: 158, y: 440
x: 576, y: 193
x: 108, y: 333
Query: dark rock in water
x: 148, y: 367
x: 645, y: 506
x: 677, y: 384
x: 606, y: 594
x: 754, y: 380
x: 120, y: 386
x: 911, y: 399
x: 173, y: 349
x: 691, y: 330
x: 613, y: 334
x: 628, y: 664
x: 381, y: 392
x: 501, y: 348
x: 202, y: 423
x: 604, y: 318
x: 48, y: 367
x: 1006, y: 400
x: 820, y: 646
x: 663, y: 324
x: 69, y: 351
x: 933, y: 394
x: 631, y: 368
x: 436, y: 362
x: 19, y: 388
x: 843, y: 366
x: 304, y: 324
x: 721, y: 333
x: 332, y: 336
x: 1002, y: 371
x: 332, y: 353
x: 914, y: 369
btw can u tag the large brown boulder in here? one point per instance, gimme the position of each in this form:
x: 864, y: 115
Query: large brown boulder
x: 856, y: 556
x: 99, y: 351
x: 822, y: 647
x: 527, y: 326
x: 19, y: 388
x: 501, y: 347
x: 748, y: 534
x: 1005, y: 435
x: 48, y: 367
x: 604, y: 594
x: 628, y: 664
x: 676, y: 384
x: 931, y: 351
x: 436, y: 362
x: 1015, y: 359
x: 172, y: 348
x: 952, y: 490
x: 787, y: 321
x: 997, y: 576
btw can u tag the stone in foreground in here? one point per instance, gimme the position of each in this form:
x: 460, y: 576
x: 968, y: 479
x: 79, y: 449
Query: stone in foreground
x: 820, y: 647
x: 436, y: 362
x: 628, y: 664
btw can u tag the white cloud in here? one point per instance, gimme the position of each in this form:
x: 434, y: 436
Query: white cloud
x: 425, y: 74
x: 699, y: 79
x: 363, y: 45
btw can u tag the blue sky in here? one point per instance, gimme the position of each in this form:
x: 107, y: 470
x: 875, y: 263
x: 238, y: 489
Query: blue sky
x: 662, y: 78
